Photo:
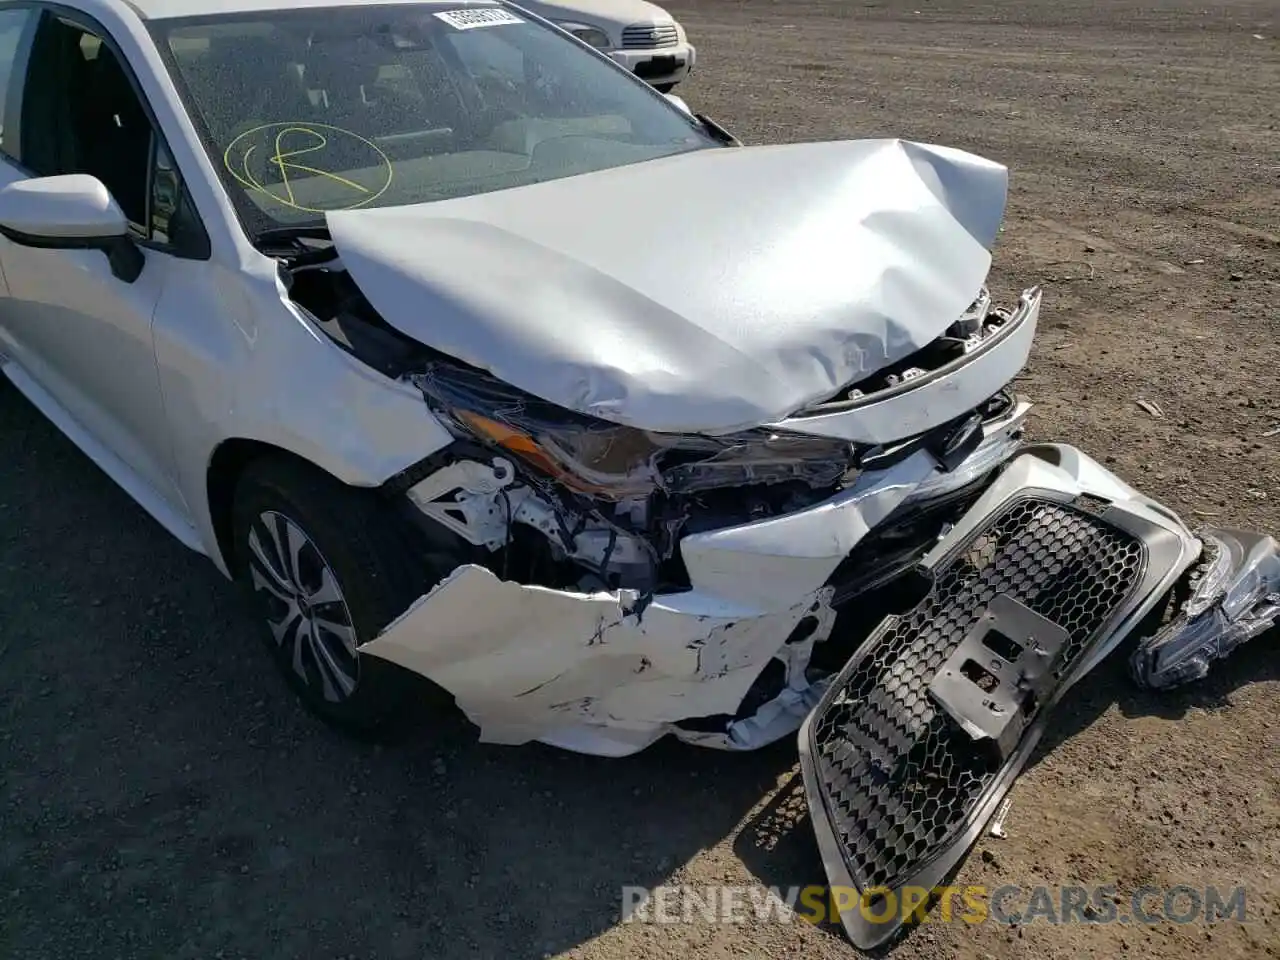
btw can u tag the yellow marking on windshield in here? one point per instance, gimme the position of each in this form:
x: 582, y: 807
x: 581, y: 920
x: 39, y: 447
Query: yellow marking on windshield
x: 282, y: 160
x: 247, y: 154
x: 236, y: 158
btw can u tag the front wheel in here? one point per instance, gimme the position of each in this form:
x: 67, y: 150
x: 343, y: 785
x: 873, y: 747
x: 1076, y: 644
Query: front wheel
x: 326, y: 572
x: 664, y: 87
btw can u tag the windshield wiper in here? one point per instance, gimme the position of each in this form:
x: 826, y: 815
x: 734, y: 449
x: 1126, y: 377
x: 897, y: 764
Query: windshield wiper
x: 717, y: 132
x: 290, y: 242
x: 308, y: 231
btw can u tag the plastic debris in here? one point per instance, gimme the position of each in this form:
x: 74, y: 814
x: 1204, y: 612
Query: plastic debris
x: 1153, y: 408
x: 997, y: 825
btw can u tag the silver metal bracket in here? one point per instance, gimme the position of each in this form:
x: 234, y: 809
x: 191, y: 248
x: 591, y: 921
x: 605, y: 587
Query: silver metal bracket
x: 465, y: 497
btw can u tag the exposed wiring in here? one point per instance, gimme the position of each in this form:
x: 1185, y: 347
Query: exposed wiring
x: 608, y: 555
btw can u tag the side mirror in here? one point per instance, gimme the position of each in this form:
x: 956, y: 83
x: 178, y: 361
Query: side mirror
x: 679, y: 103
x: 70, y: 212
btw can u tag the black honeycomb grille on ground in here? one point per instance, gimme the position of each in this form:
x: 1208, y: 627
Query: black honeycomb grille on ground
x: 900, y: 776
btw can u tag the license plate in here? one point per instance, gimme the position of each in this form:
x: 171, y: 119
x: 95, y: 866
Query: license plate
x: 657, y: 67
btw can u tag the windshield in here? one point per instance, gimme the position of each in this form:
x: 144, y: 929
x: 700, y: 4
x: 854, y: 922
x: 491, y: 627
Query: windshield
x: 307, y: 111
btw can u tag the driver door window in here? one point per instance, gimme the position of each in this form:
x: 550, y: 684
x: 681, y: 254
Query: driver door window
x: 81, y: 115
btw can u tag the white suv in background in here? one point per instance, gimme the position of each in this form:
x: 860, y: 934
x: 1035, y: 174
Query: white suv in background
x: 642, y: 37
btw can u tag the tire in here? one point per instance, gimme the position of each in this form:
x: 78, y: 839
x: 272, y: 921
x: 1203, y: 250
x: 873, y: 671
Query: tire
x: 314, y: 622
x: 664, y: 87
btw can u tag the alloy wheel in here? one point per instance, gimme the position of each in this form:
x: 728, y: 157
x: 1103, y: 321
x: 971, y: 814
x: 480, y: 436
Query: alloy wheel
x: 306, y: 610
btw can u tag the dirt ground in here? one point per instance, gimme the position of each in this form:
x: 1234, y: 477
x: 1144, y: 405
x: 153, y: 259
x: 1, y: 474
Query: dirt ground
x: 162, y: 796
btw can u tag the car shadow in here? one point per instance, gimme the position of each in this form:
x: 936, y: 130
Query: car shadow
x: 166, y: 796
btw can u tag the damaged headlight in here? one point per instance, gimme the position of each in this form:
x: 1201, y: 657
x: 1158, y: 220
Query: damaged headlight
x: 757, y: 457
x: 615, y: 462
x: 1234, y: 597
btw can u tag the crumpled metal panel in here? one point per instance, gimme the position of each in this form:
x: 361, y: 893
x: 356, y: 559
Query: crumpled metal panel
x: 779, y: 275
x: 606, y: 673
x: 528, y: 662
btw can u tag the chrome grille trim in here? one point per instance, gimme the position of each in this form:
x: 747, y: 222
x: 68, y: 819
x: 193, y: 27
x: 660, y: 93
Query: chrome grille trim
x: 649, y: 36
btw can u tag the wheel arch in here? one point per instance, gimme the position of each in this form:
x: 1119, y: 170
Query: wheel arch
x: 232, y: 455
x: 226, y: 465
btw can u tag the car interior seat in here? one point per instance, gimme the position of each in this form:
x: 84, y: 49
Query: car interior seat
x: 116, y: 134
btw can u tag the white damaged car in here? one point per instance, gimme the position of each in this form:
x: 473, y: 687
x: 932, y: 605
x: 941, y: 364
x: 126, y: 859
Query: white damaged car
x: 384, y: 325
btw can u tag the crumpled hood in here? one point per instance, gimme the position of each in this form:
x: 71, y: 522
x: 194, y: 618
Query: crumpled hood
x: 706, y: 292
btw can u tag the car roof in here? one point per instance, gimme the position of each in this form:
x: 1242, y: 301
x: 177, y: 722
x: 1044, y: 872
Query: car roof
x: 168, y: 9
